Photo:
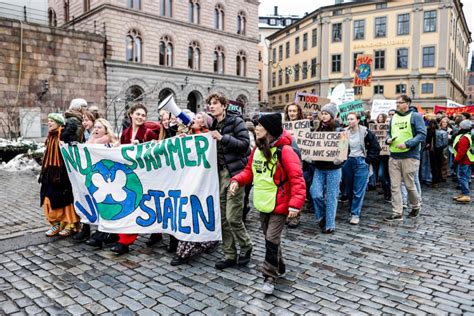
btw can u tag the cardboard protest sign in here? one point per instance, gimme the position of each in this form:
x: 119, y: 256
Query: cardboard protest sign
x: 381, y: 107
x: 323, y: 146
x: 348, y: 96
x: 363, y: 70
x: 295, y: 126
x: 454, y: 111
x: 380, y: 131
x: 311, y: 102
x: 168, y: 187
x: 346, y: 108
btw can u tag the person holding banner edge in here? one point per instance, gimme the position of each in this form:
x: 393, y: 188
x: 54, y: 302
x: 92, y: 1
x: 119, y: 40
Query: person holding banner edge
x: 233, y: 150
x: 406, y: 132
x: 279, y: 189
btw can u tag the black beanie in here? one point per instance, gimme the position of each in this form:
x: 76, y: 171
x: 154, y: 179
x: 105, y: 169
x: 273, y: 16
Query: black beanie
x: 272, y: 123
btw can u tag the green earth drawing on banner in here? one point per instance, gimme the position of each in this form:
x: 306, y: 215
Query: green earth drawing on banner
x: 116, y: 189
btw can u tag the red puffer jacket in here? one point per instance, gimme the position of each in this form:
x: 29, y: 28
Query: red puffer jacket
x: 293, y: 191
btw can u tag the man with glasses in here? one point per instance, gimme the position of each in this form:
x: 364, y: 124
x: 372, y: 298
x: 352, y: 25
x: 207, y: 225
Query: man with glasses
x: 406, y: 132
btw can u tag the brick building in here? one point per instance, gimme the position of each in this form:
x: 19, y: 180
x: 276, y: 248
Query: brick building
x: 154, y: 48
x: 42, y: 69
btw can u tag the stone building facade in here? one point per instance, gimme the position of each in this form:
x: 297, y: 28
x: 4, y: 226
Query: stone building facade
x: 420, y: 48
x: 42, y: 69
x: 158, y: 47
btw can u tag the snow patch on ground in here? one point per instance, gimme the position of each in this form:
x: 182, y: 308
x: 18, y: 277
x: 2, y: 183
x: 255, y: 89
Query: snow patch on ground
x: 21, y: 163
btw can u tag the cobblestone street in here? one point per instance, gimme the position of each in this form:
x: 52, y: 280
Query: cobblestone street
x: 418, y: 266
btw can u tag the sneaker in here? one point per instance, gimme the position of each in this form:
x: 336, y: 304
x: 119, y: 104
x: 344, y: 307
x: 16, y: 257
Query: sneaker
x: 53, y: 231
x: 457, y: 196
x: 176, y: 261
x: 354, y: 220
x: 227, y: 263
x: 405, y: 206
x: 268, y: 286
x: 414, y: 212
x: 66, y: 232
x: 464, y: 199
x: 294, y: 222
x: 245, y: 259
x: 392, y: 218
x: 281, y: 270
x: 120, y: 249
x: 343, y: 199
x: 328, y: 230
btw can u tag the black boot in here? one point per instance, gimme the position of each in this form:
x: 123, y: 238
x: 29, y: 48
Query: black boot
x: 84, y: 234
x: 173, y: 244
x: 120, y: 249
x: 245, y: 259
x: 154, y: 239
x: 94, y: 243
x: 176, y: 261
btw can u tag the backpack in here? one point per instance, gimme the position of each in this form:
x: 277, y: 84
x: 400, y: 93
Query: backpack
x: 278, y: 154
x: 441, y: 139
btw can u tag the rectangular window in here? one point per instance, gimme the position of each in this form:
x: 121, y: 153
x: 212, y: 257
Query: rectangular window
x: 280, y: 77
x: 357, y: 90
x: 297, y: 72
x: 427, y: 88
x: 336, y: 63
x: 287, y: 50
x: 274, y: 55
x: 280, y: 52
x: 273, y: 79
x: 297, y: 45
x: 403, y: 24
x: 379, y: 60
x: 305, y: 70
x: 305, y: 41
x: 429, y: 56
x: 378, y: 89
x: 401, y: 89
x: 337, y: 12
x: 337, y: 32
x: 381, y: 5
x: 402, y: 58
x: 287, y: 75
x: 359, y: 29
x: 260, y: 74
x: 314, y: 38
x: 429, y: 24
x: 354, y: 59
x: 313, y: 67
x: 381, y: 26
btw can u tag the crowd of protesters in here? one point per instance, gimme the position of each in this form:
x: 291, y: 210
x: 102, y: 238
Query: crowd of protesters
x: 258, y: 153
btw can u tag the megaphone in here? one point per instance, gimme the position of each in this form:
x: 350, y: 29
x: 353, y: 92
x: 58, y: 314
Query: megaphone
x: 169, y: 105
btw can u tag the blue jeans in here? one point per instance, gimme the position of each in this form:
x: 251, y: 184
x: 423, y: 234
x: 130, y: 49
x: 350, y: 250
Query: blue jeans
x: 384, y: 175
x: 355, y: 176
x: 324, y: 192
x: 464, y: 176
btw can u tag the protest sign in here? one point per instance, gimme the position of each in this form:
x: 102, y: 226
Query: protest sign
x: 323, y: 146
x: 380, y: 131
x: 348, y: 96
x: 452, y: 104
x: 167, y: 187
x: 346, y: 108
x: 295, y: 126
x: 363, y: 70
x: 381, y: 107
x: 311, y: 102
x: 454, y: 111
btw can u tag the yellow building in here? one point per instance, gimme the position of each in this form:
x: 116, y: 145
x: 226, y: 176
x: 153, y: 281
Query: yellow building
x: 420, y: 48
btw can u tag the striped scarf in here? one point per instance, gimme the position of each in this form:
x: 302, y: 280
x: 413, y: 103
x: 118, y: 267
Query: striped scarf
x: 52, y: 161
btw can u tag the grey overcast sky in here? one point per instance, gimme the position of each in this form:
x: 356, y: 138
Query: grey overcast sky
x: 299, y: 7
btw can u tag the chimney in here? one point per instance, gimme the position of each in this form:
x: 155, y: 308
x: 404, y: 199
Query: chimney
x: 275, y: 10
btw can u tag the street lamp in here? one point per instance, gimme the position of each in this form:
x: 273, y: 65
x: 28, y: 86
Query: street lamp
x: 412, y: 89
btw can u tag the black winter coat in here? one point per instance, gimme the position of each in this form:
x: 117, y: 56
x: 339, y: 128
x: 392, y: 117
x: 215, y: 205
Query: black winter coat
x: 235, y: 142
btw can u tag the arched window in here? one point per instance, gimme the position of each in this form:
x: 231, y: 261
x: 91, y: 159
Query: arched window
x: 87, y: 5
x: 194, y: 12
x: 133, y: 47
x: 52, y: 20
x: 166, y: 8
x: 219, y: 60
x: 134, y: 94
x: 194, y: 56
x: 219, y: 17
x: 66, y: 11
x: 241, y: 65
x: 241, y: 23
x: 166, y: 51
x: 134, y: 4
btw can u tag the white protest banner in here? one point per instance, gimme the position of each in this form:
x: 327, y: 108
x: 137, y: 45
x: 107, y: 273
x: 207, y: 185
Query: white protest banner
x: 348, y: 96
x: 310, y: 102
x: 346, y: 108
x: 168, y: 187
x: 380, y: 131
x: 295, y: 126
x: 382, y: 106
x: 323, y: 146
x: 452, y: 104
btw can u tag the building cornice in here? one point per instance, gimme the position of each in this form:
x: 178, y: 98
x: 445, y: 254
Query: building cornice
x: 179, y: 71
x: 111, y: 7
